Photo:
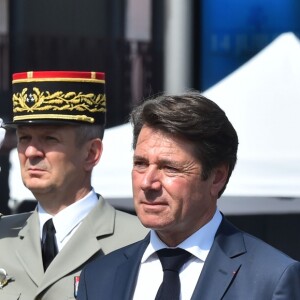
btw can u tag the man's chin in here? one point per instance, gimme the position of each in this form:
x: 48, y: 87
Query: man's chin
x: 37, y: 189
x: 153, y: 222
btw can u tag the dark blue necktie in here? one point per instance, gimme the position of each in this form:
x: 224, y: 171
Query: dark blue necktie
x: 171, y: 260
x: 49, y: 247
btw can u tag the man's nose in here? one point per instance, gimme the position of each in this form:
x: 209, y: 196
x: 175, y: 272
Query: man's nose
x: 151, y: 179
x: 33, y: 150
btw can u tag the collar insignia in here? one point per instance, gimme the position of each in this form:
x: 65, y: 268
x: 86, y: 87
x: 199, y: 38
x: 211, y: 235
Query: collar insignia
x: 4, y: 278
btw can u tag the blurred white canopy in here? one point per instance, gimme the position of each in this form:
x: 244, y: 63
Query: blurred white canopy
x: 2, y: 133
x: 262, y: 100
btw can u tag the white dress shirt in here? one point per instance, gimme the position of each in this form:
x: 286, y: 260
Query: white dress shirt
x: 67, y: 221
x: 151, y: 274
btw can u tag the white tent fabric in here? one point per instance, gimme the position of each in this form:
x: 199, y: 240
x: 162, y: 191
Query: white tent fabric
x: 2, y: 133
x: 262, y: 100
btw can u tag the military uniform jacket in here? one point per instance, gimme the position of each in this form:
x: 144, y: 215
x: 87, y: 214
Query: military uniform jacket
x: 103, y: 230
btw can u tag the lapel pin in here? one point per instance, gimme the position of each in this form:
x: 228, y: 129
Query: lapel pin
x: 76, y: 284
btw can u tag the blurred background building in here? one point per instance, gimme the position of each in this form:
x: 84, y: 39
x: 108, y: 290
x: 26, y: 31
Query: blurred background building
x: 145, y: 47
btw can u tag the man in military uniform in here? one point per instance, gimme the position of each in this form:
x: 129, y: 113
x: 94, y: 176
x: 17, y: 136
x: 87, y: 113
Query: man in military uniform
x: 59, y: 119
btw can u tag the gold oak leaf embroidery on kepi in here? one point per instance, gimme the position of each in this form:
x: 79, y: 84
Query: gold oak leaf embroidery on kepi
x: 43, y: 101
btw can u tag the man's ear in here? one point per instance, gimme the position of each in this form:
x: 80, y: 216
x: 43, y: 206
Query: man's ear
x: 219, y: 179
x: 94, y: 152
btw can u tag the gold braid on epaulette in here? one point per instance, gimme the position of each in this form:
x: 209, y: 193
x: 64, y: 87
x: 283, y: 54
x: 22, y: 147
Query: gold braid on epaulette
x: 45, y: 101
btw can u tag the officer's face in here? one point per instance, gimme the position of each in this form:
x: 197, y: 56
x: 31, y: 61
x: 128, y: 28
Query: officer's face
x: 169, y: 194
x: 52, y: 164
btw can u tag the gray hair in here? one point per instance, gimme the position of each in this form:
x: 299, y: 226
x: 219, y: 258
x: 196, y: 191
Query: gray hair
x: 85, y: 133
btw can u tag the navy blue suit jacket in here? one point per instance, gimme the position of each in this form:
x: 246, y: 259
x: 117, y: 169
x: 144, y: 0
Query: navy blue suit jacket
x: 239, y: 266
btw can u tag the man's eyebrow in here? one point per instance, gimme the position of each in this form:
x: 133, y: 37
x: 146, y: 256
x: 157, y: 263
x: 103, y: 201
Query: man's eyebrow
x: 139, y: 157
x: 160, y: 162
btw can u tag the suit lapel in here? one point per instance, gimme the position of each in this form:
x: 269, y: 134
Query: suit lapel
x: 220, y: 267
x: 83, y: 245
x: 29, y: 239
x: 126, y: 274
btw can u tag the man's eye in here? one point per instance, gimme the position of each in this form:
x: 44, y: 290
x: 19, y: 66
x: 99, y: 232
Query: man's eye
x: 51, y: 138
x: 170, y: 169
x: 139, y: 164
x: 23, y: 139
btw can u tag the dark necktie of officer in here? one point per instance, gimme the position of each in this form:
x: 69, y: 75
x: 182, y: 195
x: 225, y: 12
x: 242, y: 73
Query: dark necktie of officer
x: 171, y: 260
x: 49, y: 246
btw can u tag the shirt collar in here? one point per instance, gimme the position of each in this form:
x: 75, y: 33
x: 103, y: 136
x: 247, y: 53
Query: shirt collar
x: 198, y: 244
x: 70, y: 216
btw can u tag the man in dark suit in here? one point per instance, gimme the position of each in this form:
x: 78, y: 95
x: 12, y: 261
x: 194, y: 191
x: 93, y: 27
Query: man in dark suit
x: 59, y: 119
x: 185, y: 150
